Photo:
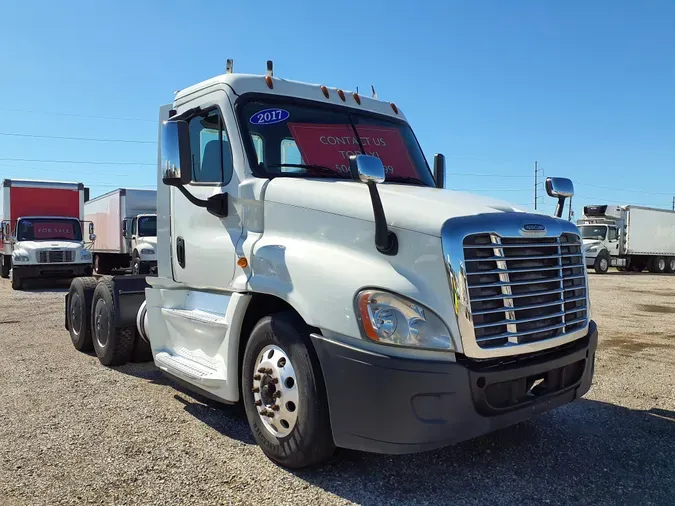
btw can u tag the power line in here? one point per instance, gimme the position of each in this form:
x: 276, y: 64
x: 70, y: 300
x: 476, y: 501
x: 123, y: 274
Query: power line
x: 490, y: 189
x: 52, y: 113
x: 50, y: 169
x: 484, y: 175
x: 624, y: 189
x: 93, y: 139
x: 75, y: 161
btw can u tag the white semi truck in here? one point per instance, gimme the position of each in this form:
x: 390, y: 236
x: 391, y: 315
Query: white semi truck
x: 125, y: 222
x: 41, y: 230
x: 629, y: 238
x: 311, y: 265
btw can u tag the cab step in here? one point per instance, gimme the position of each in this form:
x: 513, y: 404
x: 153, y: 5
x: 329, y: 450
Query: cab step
x: 193, y: 365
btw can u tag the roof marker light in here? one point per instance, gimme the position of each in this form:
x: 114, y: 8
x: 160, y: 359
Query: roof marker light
x: 357, y: 98
x: 394, y: 108
x: 341, y: 94
x: 325, y: 91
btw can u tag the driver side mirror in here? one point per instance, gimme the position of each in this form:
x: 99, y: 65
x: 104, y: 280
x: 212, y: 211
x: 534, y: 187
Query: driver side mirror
x: 176, y: 161
x: 91, y: 228
x: 560, y: 188
x: 92, y: 237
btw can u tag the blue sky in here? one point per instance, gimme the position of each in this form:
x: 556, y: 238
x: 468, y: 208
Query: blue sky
x: 585, y: 88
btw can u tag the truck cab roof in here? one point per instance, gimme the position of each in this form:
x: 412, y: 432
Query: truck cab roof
x: 250, y: 83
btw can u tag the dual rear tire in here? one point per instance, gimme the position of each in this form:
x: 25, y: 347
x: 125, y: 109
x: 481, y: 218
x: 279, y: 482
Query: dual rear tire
x: 91, y: 323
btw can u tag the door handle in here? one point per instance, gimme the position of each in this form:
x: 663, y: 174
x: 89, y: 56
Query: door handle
x: 180, y: 251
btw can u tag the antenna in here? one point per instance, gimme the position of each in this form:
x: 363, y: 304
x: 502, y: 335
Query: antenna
x: 229, y: 66
x: 374, y: 92
x: 270, y: 69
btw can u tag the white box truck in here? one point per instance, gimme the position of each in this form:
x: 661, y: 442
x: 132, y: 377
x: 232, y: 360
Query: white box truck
x: 125, y: 225
x: 311, y: 265
x: 41, y: 230
x: 629, y: 238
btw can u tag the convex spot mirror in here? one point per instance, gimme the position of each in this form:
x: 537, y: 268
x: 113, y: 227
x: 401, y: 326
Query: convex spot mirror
x: 176, y: 165
x: 366, y: 168
x: 559, y: 187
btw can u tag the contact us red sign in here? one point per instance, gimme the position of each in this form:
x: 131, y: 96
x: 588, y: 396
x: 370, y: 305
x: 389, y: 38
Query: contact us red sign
x: 49, y: 230
x: 332, y: 145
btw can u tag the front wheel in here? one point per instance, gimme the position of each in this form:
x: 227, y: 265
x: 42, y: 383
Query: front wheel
x: 6, y: 266
x: 17, y: 280
x: 284, y: 393
x: 601, y: 264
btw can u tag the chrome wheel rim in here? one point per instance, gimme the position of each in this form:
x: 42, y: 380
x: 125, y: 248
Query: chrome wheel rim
x: 603, y: 264
x: 662, y: 264
x: 100, y: 320
x: 75, y: 320
x: 275, y: 391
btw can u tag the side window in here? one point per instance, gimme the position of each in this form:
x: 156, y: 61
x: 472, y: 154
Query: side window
x: 210, y: 149
x: 258, y: 145
x: 290, y: 154
x: 613, y: 234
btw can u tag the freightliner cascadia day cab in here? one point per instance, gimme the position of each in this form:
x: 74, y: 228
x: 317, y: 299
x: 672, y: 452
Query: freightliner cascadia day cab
x: 41, y: 230
x: 629, y: 238
x: 311, y: 265
x: 125, y: 223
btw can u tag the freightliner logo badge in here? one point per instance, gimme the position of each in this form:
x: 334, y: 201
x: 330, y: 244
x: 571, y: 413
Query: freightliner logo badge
x: 530, y: 228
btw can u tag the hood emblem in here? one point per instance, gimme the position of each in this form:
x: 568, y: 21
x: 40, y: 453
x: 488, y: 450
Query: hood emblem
x: 533, y: 228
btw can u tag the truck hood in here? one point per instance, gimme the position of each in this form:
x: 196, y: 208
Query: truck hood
x: 149, y: 240
x: 590, y: 242
x: 39, y: 245
x: 416, y: 208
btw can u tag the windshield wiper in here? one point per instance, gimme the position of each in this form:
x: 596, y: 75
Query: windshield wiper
x: 319, y: 168
x: 403, y: 179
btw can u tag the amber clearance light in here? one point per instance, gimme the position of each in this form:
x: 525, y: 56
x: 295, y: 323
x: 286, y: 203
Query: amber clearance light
x: 242, y: 262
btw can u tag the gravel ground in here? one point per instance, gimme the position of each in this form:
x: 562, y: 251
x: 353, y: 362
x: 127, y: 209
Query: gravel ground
x: 75, y: 432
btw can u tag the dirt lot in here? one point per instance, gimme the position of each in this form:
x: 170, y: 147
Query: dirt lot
x: 74, y: 432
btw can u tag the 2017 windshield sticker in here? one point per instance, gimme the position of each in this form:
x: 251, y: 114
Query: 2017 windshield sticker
x: 270, y: 116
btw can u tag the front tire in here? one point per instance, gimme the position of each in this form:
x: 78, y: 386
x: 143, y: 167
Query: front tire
x: 284, y: 393
x: 113, y: 345
x: 17, y: 280
x: 601, y: 264
x: 6, y: 266
x: 138, y: 266
x: 80, y: 296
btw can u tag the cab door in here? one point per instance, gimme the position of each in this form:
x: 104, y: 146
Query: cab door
x: 613, y: 241
x: 204, y: 245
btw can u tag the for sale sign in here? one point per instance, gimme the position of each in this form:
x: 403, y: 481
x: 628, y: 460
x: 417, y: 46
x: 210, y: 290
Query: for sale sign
x: 53, y: 230
x: 332, y: 145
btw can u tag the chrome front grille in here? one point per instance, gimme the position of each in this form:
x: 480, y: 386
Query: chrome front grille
x: 523, y: 290
x: 55, y: 256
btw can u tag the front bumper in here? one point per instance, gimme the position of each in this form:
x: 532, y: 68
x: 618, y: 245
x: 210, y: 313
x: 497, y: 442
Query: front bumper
x: 590, y: 261
x: 384, y: 404
x: 51, y: 270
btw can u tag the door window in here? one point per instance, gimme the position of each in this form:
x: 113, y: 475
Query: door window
x: 210, y: 149
x: 134, y: 224
x: 612, y: 235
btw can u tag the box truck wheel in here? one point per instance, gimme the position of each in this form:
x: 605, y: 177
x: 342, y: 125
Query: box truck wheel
x: 79, y: 312
x: 657, y: 265
x: 6, y: 266
x: 284, y: 394
x: 138, y: 267
x: 113, y: 345
x: 670, y: 264
x: 602, y: 263
x: 101, y: 265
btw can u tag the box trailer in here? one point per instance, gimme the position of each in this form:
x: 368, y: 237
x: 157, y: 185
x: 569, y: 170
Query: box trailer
x: 629, y: 238
x: 125, y: 225
x: 41, y: 230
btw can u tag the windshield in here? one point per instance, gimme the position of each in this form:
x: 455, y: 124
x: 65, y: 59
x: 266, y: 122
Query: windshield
x: 147, y: 226
x: 46, y: 229
x: 290, y: 139
x: 593, y: 232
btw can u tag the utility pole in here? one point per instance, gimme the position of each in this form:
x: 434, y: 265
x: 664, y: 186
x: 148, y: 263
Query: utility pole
x: 571, y: 213
x: 673, y: 203
x: 537, y: 172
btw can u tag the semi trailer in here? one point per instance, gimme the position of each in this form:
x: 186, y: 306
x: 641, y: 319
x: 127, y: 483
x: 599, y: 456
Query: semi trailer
x: 629, y: 238
x: 311, y: 266
x: 125, y: 222
x: 42, y: 230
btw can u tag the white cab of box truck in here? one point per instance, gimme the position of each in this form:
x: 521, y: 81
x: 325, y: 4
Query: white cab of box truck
x: 41, y: 230
x: 311, y: 265
x: 629, y: 238
x: 125, y: 223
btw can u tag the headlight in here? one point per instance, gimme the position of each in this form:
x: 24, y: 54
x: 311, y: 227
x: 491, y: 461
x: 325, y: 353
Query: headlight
x: 592, y: 249
x: 86, y: 254
x: 20, y: 256
x: 390, y: 319
x: 146, y: 251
